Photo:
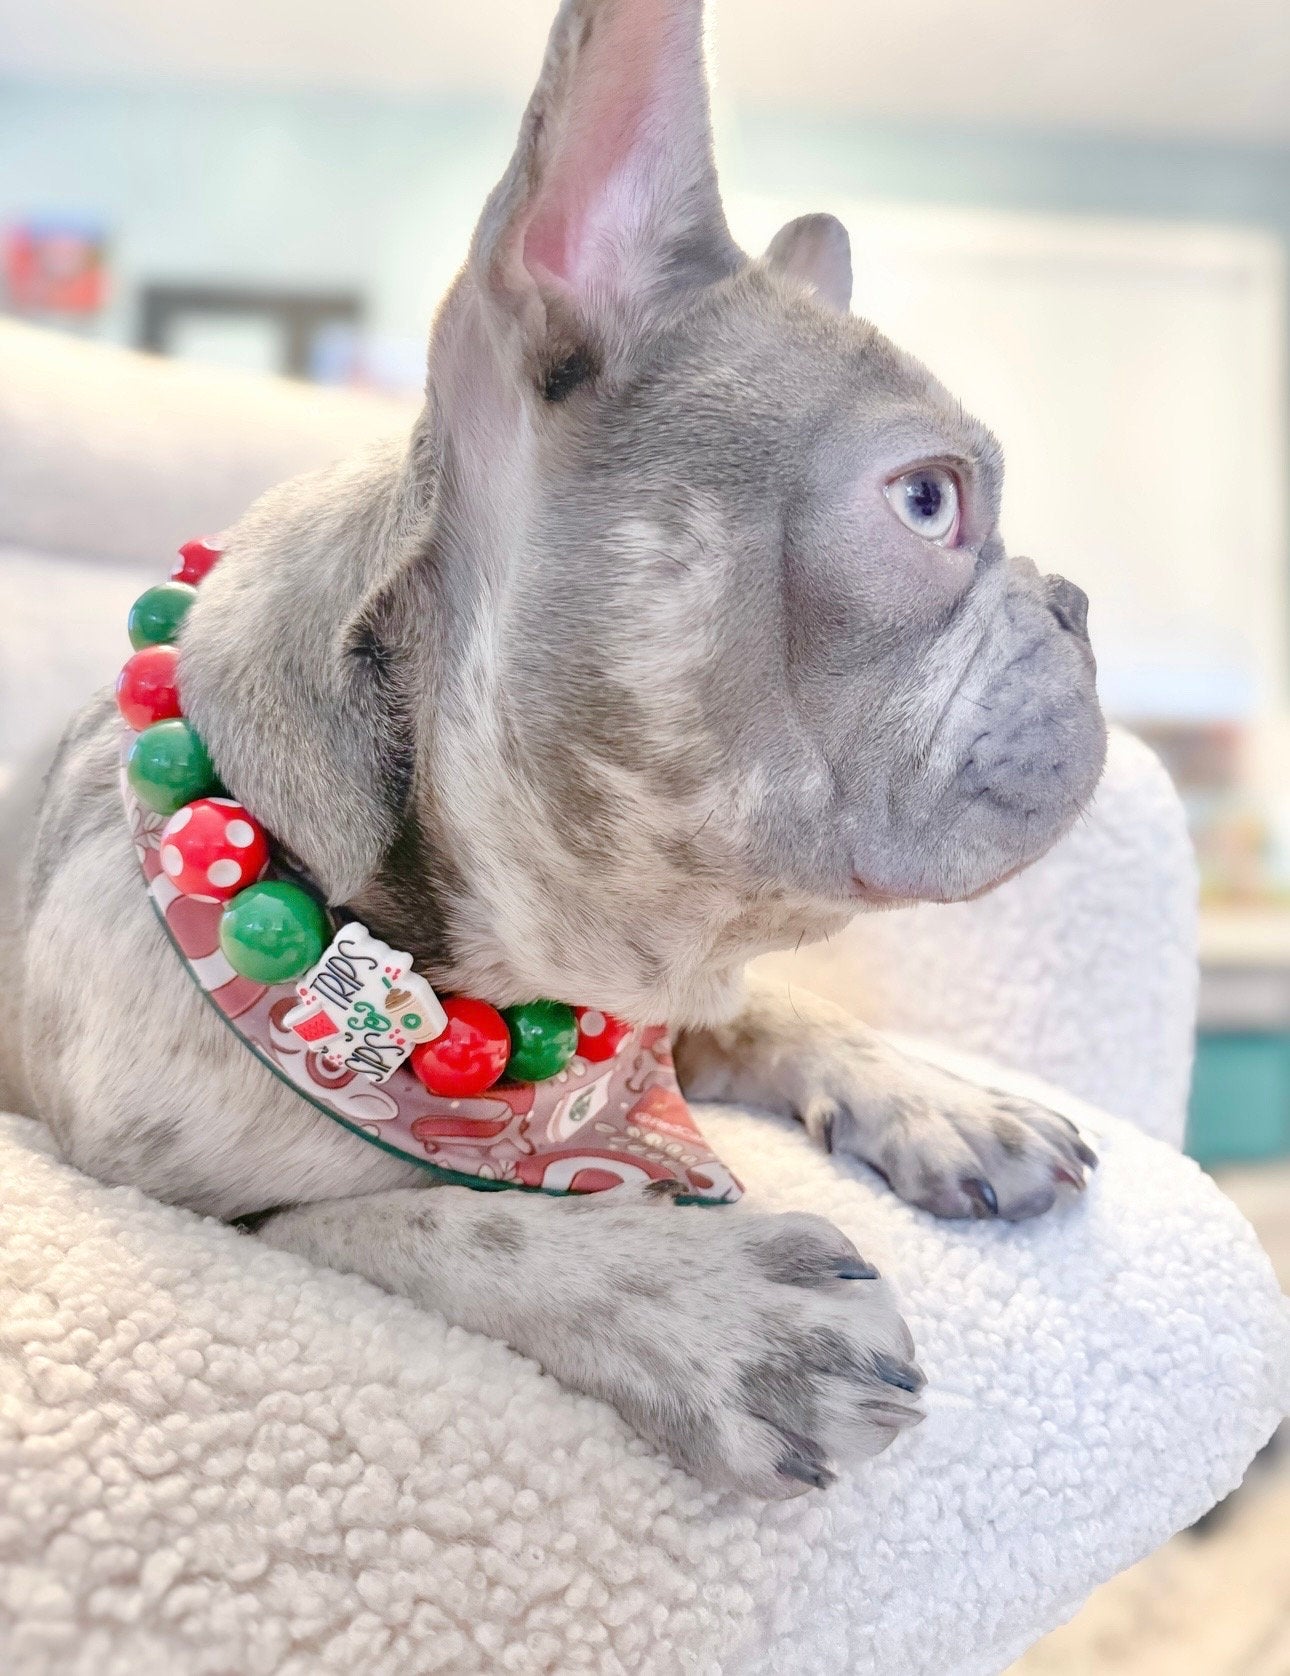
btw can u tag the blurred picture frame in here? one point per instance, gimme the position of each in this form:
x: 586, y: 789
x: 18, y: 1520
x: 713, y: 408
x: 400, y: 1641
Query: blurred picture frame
x: 261, y: 329
x: 55, y: 266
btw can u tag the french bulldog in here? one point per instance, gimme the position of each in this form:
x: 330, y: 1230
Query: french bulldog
x: 680, y: 630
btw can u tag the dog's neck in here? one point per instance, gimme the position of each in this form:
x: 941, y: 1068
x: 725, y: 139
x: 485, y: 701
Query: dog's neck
x: 485, y: 883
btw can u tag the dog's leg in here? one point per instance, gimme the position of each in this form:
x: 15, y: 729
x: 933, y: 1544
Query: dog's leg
x: 954, y: 1148
x: 751, y: 1349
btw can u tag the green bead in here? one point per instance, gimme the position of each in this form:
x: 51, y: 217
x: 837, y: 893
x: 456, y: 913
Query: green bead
x: 156, y: 615
x: 273, y: 931
x: 544, y: 1037
x: 168, y: 767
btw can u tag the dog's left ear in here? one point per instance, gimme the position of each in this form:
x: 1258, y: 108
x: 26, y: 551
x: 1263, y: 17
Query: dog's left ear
x: 815, y: 251
x: 610, y: 207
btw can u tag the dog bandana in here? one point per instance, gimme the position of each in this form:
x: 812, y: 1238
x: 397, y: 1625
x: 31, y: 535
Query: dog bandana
x: 597, y: 1124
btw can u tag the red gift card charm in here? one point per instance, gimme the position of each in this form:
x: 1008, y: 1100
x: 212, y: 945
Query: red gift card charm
x: 313, y: 1024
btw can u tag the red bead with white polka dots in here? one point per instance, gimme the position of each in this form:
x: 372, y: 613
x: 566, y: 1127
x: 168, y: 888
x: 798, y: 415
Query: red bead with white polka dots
x: 196, y: 559
x: 212, y: 848
x: 600, y: 1035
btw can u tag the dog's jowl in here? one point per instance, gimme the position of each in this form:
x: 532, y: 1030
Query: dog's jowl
x: 680, y: 629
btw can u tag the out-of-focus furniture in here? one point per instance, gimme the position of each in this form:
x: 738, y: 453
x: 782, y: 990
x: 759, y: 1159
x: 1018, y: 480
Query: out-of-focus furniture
x: 1240, y: 1105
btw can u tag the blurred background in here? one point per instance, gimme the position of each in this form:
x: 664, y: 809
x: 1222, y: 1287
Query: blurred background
x: 1077, y: 215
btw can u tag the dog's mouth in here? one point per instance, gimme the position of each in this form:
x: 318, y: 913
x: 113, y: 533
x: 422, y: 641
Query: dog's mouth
x: 873, y: 897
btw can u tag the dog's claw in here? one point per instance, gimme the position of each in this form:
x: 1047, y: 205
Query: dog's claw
x: 855, y: 1268
x: 898, y: 1416
x: 985, y: 1201
x: 806, y: 1471
x: 1078, y: 1145
x: 827, y: 1121
x: 905, y: 1376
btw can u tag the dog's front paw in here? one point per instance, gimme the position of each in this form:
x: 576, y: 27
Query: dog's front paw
x: 758, y: 1352
x: 947, y: 1145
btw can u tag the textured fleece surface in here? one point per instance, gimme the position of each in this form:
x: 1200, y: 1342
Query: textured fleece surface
x: 121, y: 456
x: 216, y: 1458
x: 62, y: 637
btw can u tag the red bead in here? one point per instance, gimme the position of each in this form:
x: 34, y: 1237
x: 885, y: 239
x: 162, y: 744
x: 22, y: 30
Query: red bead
x: 212, y: 848
x: 600, y: 1035
x: 196, y: 559
x: 471, y: 1053
x: 147, y: 688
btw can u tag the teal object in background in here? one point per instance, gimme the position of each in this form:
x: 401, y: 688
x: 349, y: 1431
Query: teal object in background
x: 1240, y: 1097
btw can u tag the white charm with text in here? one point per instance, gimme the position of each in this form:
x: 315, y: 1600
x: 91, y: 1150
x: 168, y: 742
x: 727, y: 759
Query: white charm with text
x: 363, y: 1007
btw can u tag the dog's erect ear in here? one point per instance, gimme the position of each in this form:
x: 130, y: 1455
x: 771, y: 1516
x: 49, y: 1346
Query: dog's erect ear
x: 610, y: 204
x: 815, y: 249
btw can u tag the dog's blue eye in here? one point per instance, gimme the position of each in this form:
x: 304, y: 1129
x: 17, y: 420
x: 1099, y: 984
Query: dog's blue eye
x: 924, y: 497
x: 926, y: 501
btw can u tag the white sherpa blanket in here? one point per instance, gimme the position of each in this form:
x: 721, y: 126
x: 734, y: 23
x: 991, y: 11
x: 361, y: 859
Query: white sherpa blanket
x: 218, y: 1459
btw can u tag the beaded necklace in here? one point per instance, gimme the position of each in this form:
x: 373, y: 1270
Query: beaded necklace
x: 539, y: 1095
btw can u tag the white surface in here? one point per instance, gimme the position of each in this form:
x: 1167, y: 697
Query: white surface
x: 62, y: 636
x: 219, y: 1458
x: 1214, y: 1603
x: 1107, y: 65
x: 113, y: 455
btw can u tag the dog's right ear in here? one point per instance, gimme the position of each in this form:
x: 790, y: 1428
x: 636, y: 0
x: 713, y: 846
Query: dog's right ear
x: 815, y: 251
x: 609, y: 207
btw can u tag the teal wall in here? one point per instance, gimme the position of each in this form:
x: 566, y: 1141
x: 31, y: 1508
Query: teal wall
x: 379, y: 194
x: 1240, y: 1097
x: 1088, y: 174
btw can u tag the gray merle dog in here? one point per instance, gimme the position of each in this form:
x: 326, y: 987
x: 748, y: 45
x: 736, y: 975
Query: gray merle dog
x: 679, y: 630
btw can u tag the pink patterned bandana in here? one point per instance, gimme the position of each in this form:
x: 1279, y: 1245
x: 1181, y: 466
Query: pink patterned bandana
x: 591, y: 1127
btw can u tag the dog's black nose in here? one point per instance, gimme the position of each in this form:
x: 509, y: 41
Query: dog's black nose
x: 1068, y: 604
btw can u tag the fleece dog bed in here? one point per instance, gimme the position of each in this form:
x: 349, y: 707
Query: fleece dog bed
x: 217, y: 1458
